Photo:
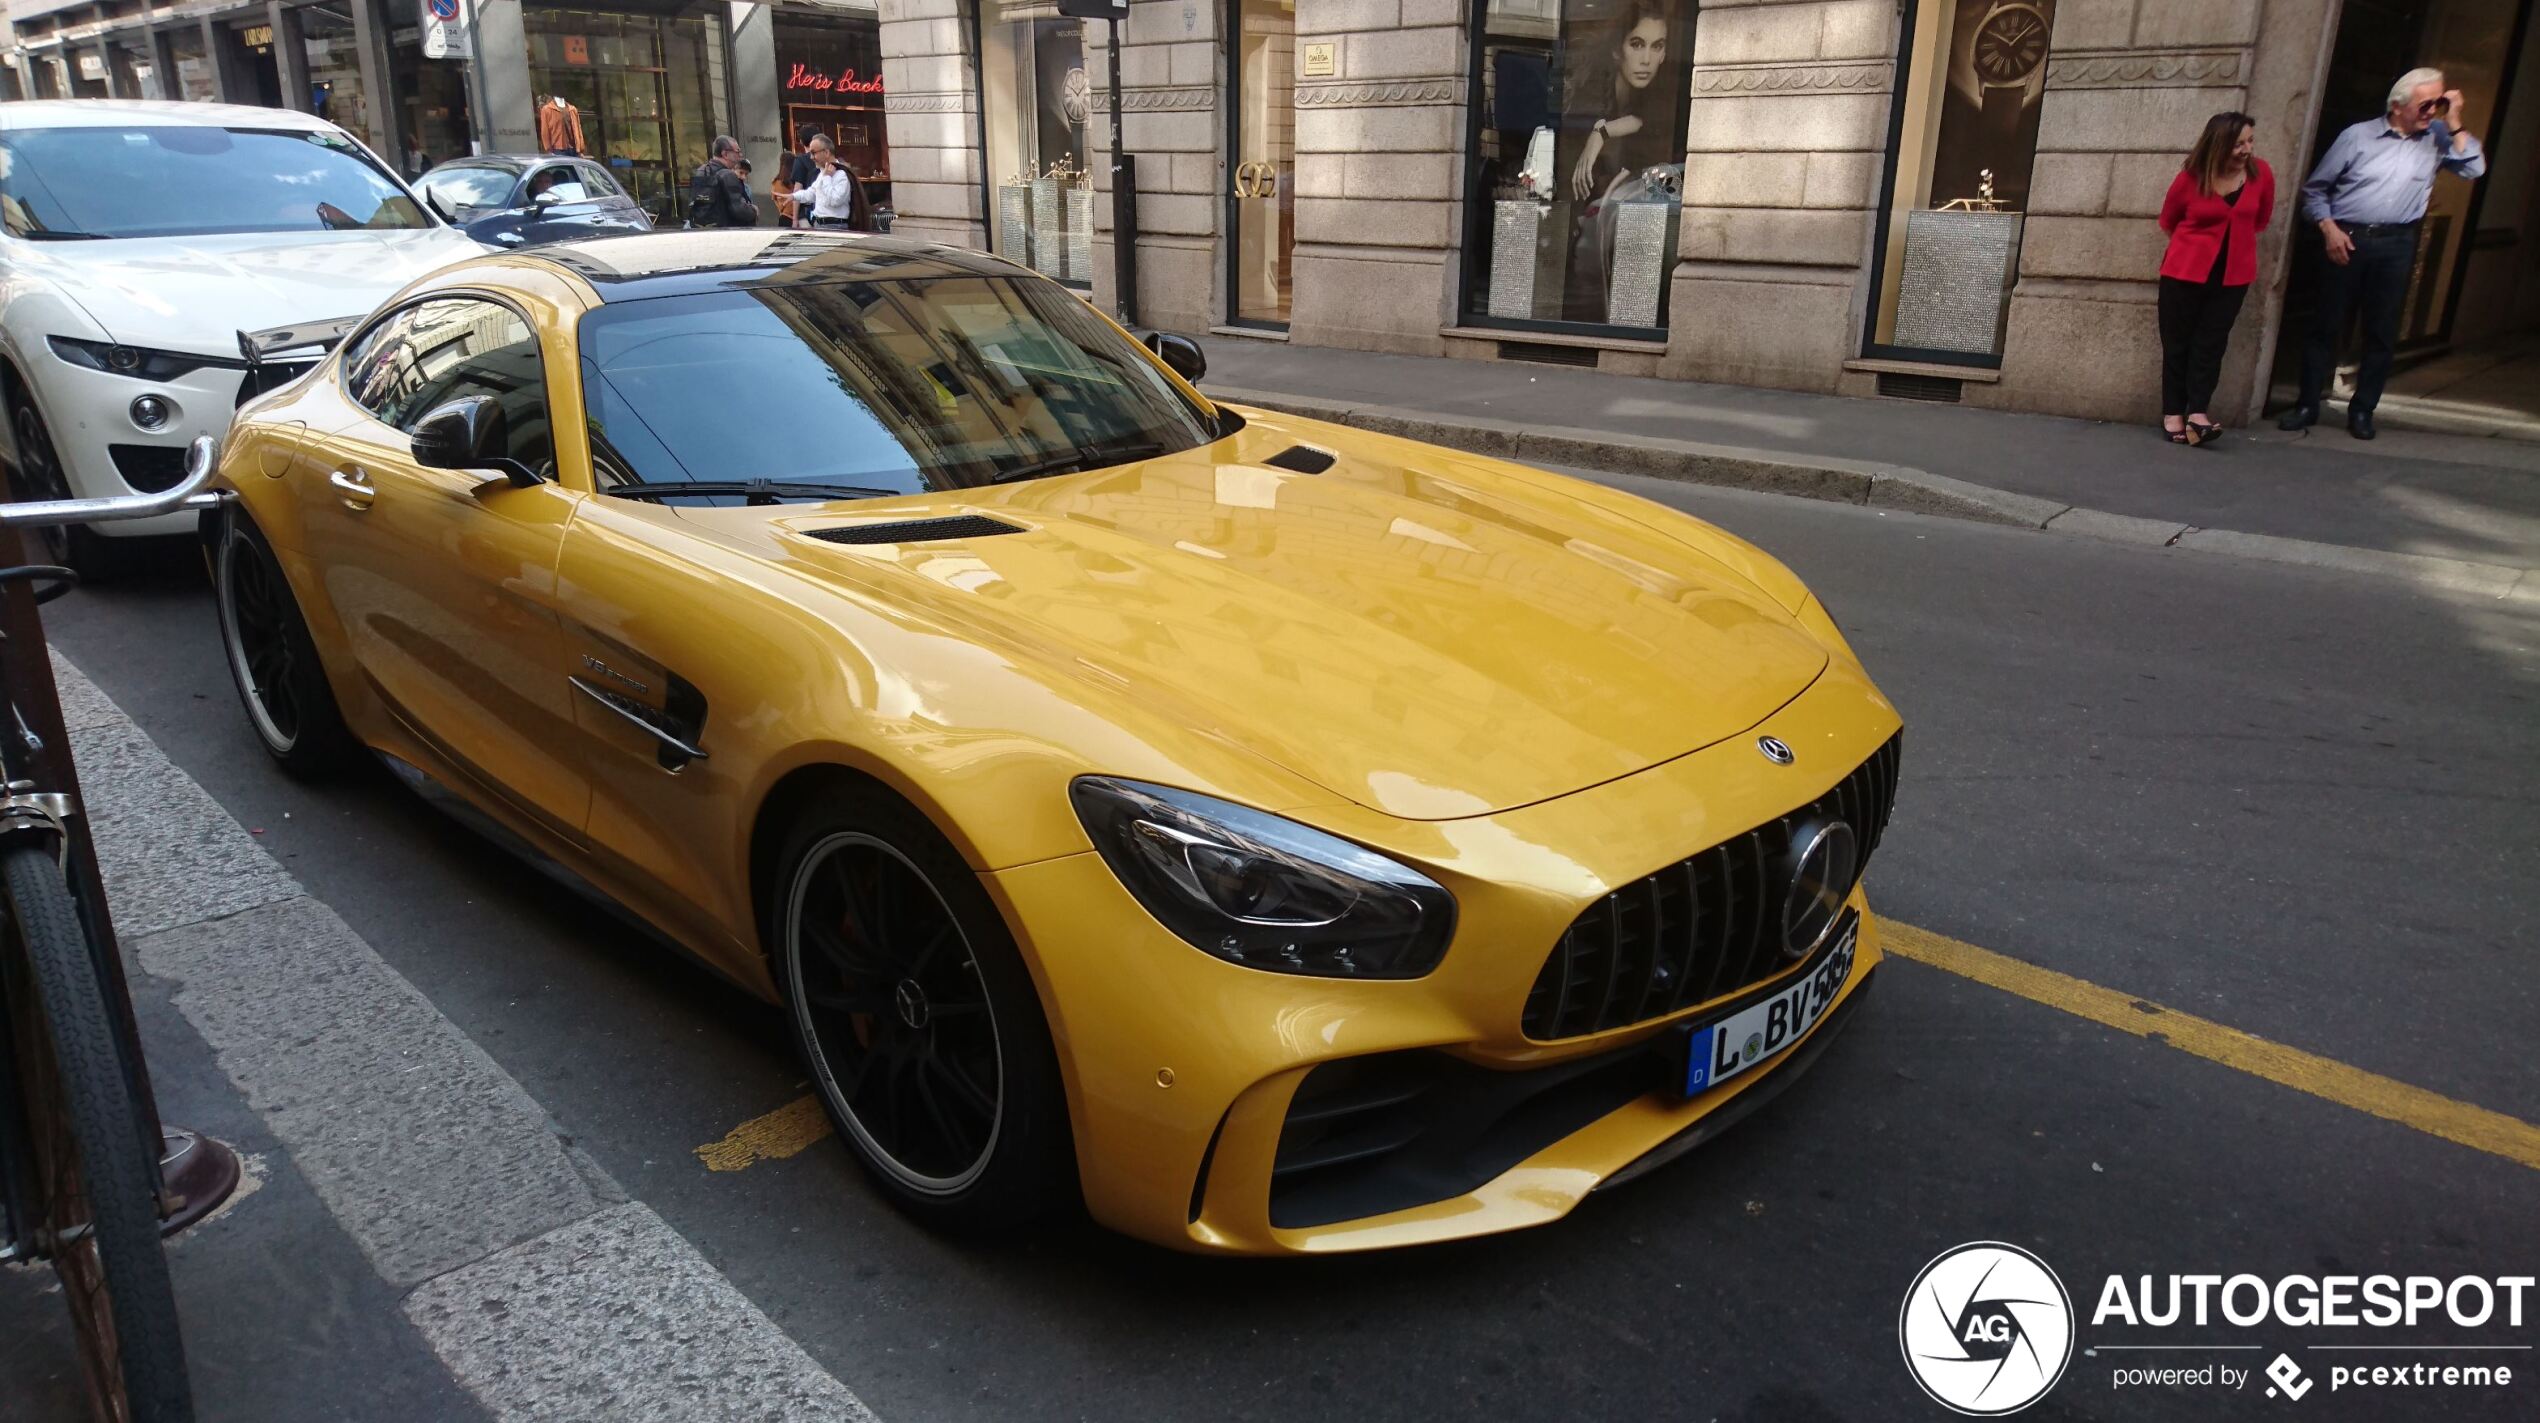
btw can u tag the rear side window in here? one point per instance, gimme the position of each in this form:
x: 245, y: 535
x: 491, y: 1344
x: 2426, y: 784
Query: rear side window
x: 597, y: 181
x: 435, y: 352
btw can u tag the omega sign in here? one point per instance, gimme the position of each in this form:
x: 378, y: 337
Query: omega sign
x: 843, y: 82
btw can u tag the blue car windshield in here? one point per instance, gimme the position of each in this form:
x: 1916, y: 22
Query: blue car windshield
x: 188, y: 180
x: 899, y: 384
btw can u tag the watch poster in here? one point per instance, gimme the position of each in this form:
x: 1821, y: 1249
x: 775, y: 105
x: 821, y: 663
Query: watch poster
x: 1990, y: 108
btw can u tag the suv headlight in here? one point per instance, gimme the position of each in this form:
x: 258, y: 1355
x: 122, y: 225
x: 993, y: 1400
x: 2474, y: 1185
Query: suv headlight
x: 138, y: 362
x: 1267, y: 893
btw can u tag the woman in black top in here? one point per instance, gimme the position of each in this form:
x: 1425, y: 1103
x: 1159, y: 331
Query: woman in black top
x: 1624, y: 87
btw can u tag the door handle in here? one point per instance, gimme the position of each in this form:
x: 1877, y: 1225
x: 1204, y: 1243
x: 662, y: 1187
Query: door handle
x: 356, y: 489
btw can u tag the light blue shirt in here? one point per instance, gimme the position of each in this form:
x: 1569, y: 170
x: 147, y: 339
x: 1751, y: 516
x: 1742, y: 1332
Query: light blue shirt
x: 2374, y: 174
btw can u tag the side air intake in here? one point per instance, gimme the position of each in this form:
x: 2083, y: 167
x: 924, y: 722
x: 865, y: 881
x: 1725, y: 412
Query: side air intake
x: 909, y: 531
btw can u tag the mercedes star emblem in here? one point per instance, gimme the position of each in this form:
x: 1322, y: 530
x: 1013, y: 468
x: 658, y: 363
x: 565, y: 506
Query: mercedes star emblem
x: 1775, y: 750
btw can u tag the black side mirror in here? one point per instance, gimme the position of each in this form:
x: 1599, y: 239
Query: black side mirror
x: 468, y: 433
x: 1181, y: 354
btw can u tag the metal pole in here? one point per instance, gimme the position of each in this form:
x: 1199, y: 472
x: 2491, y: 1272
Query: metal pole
x: 1124, y: 203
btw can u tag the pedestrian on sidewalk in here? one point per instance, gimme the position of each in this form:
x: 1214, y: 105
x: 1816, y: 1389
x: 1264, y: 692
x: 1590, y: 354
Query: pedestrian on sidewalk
x: 719, y: 192
x: 2368, y: 199
x: 2220, y: 201
x: 829, y: 199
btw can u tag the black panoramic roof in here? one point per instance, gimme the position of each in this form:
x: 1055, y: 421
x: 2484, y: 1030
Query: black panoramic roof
x: 674, y: 262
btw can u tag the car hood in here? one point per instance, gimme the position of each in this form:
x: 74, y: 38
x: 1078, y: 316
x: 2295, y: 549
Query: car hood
x: 195, y: 294
x: 1432, y: 639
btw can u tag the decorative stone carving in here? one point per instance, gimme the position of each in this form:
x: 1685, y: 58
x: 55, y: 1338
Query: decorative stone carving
x: 955, y: 102
x: 1868, y: 75
x: 1442, y: 89
x: 2134, y: 69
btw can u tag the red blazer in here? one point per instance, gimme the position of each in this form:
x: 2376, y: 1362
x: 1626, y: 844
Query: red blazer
x: 2196, y: 224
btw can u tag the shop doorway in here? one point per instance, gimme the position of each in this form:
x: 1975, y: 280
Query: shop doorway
x: 1261, y: 165
x: 2469, y: 328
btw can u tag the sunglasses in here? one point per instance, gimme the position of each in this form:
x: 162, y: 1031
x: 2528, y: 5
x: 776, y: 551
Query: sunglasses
x: 2434, y: 108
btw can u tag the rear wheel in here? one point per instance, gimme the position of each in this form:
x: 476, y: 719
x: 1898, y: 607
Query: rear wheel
x: 271, y: 657
x: 920, y: 1024
x: 95, y: 1178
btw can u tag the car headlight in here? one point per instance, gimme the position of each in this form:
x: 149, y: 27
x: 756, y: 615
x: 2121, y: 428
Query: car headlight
x: 1267, y: 893
x: 137, y: 362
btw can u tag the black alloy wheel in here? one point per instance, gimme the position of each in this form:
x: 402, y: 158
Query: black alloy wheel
x: 919, y: 1023
x: 271, y: 658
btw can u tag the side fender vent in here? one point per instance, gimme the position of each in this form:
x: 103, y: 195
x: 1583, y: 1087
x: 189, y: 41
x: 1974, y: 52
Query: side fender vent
x: 909, y: 531
x: 1304, y: 459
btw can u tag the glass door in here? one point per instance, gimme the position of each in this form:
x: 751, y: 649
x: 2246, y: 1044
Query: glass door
x: 1261, y: 166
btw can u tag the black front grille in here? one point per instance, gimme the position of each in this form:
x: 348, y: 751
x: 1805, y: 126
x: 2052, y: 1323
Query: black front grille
x: 1699, y: 928
x: 272, y: 375
x: 149, y: 468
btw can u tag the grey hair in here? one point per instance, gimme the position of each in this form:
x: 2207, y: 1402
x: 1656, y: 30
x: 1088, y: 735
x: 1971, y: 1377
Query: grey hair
x: 2410, y: 82
x: 725, y: 143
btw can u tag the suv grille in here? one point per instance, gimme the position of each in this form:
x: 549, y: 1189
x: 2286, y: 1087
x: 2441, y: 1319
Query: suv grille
x: 1699, y: 928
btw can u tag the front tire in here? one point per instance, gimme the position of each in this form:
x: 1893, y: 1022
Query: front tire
x: 272, y: 660
x: 40, y: 476
x: 912, y: 1007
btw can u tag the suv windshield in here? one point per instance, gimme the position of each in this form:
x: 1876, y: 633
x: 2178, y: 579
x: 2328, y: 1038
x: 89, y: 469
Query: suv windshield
x: 896, y: 385
x: 182, y: 181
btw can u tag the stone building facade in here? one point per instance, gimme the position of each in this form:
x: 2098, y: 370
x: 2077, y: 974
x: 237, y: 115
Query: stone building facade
x: 1944, y: 198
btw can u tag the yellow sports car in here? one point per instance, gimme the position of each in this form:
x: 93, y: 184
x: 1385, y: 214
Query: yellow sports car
x: 1281, y: 837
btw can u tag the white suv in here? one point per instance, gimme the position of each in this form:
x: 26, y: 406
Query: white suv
x: 140, y: 240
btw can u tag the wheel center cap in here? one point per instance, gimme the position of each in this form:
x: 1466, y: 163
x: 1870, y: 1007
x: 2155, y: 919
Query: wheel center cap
x: 910, y: 1000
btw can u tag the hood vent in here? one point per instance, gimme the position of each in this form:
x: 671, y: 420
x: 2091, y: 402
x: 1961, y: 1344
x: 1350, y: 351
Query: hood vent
x: 1304, y: 459
x: 908, y: 531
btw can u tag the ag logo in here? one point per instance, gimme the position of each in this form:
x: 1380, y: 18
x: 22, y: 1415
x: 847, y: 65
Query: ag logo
x: 1987, y: 1329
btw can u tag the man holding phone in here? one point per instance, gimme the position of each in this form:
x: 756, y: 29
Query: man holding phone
x: 2368, y: 197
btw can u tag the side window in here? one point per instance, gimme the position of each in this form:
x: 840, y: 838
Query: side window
x: 597, y: 181
x: 439, y: 351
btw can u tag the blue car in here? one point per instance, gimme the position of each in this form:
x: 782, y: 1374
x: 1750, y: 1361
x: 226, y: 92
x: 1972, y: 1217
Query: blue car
x: 522, y: 201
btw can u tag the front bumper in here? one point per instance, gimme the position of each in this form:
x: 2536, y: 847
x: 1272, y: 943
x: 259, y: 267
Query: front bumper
x: 89, y: 413
x: 1182, y: 1071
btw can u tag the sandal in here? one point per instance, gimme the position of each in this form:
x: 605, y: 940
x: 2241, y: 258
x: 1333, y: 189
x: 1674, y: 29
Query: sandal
x: 2177, y: 437
x: 2203, y: 431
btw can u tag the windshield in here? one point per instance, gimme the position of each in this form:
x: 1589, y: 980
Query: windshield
x: 187, y: 181
x: 469, y: 187
x: 900, y: 384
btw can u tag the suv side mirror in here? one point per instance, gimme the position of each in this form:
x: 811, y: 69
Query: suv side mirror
x: 1179, y: 353
x: 468, y: 433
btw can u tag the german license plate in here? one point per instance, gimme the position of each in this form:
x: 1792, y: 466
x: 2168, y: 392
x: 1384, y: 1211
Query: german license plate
x: 1754, y: 1035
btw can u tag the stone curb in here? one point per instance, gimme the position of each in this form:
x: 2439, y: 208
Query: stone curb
x: 1877, y: 485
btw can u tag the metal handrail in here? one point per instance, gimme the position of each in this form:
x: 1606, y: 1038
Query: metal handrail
x: 191, y: 492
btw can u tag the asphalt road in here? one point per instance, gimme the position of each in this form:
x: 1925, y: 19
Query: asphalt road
x: 2296, y: 802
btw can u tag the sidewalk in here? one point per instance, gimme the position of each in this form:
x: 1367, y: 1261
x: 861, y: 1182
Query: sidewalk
x: 2447, y: 497
x: 416, y: 1238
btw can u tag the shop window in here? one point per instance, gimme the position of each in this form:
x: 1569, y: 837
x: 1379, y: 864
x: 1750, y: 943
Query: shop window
x: 1034, y: 102
x: 649, y: 93
x: 335, y: 74
x: 1960, y: 154
x: 829, y: 78
x: 1578, y: 147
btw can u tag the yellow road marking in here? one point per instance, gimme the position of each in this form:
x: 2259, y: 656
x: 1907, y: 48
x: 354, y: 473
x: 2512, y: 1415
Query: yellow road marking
x: 2324, y: 1078
x: 789, y: 1129
x: 801, y: 1123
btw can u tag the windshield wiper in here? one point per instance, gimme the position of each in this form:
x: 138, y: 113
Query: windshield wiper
x: 757, y: 491
x: 1079, y: 459
x: 60, y: 234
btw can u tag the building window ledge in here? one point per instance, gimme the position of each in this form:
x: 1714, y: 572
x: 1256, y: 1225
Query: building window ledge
x: 1982, y: 375
x: 1653, y: 346
x: 1251, y: 333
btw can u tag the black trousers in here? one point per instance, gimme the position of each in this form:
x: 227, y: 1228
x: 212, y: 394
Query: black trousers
x: 2196, y: 322
x: 2376, y: 278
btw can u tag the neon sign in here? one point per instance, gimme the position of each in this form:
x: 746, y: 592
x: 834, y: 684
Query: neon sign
x: 845, y: 82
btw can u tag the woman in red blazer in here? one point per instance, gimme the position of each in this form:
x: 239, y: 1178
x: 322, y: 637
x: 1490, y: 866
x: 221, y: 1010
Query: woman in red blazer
x: 2220, y: 201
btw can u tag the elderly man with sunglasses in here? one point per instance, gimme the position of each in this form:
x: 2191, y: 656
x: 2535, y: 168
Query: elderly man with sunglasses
x: 2368, y: 199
